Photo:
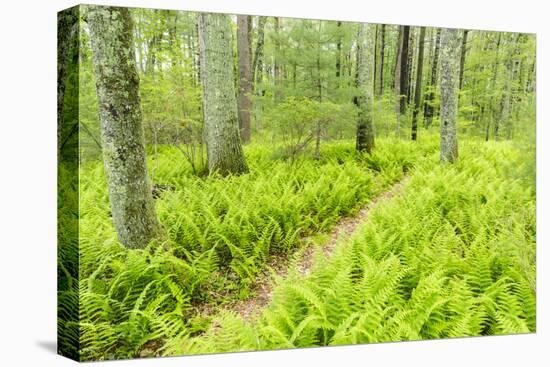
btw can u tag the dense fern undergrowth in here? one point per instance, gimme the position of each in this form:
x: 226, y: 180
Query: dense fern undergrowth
x: 454, y: 255
x: 221, y: 232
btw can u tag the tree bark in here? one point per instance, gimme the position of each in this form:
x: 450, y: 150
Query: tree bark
x: 397, y: 79
x: 381, y: 47
x: 117, y: 85
x: 491, y: 86
x: 276, y: 65
x: 450, y: 59
x: 418, y: 86
x: 258, y: 53
x: 245, y: 76
x: 339, y: 53
x: 67, y: 61
x: 221, y: 123
x: 463, y: 50
x: 319, y: 94
x: 510, y: 78
x: 428, y: 107
x: 365, y: 86
x: 410, y: 66
x: 404, y: 71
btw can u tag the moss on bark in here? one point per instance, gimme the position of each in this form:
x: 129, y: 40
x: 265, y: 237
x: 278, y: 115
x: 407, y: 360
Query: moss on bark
x: 117, y: 85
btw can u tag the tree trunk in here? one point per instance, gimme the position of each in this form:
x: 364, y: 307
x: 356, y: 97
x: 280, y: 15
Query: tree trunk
x: 404, y: 71
x: 117, y: 84
x: 245, y: 76
x: 490, y: 89
x: 258, y: 53
x: 277, y: 66
x: 397, y: 79
x: 381, y: 47
x: 221, y: 123
x: 67, y: 61
x: 365, y: 86
x: 418, y: 86
x: 319, y: 94
x: 450, y: 59
x: 410, y: 66
x: 428, y: 107
x: 510, y: 78
x: 339, y: 54
x: 463, y: 50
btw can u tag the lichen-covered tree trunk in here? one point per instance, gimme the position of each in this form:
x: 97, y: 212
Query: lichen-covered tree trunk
x: 450, y: 60
x: 245, y: 76
x: 117, y: 85
x: 418, y: 84
x: 221, y: 123
x: 430, y: 96
x: 365, y: 86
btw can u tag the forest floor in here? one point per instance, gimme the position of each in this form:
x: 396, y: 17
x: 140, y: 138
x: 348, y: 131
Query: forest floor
x: 303, y: 260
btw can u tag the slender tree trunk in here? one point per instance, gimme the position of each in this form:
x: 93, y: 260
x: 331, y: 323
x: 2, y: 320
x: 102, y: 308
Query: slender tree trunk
x: 418, y: 86
x: 245, y: 76
x: 510, y: 78
x: 258, y: 54
x: 339, y: 52
x: 320, y: 94
x: 117, y: 83
x: 67, y: 59
x: 277, y: 66
x: 397, y: 79
x: 428, y: 107
x: 410, y: 66
x: 221, y: 124
x: 450, y: 60
x: 381, y: 47
x: 175, y: 52
x: 139, y: 43
x: 492, y: 84
x: 463, y: 50
x: 404, y: 71
x: 365, y: 86
x: 196, y: 55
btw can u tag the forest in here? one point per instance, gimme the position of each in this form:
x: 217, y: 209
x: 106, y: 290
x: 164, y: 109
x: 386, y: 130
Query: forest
x: 236, y: 183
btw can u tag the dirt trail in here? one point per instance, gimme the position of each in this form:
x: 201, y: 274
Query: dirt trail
x: 278, y: 267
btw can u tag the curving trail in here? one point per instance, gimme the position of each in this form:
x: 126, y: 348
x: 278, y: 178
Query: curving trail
x: 303, y: 260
